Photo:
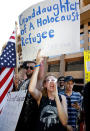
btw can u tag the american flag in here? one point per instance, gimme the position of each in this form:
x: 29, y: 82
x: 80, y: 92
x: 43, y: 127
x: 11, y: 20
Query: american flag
x: 7, y: 64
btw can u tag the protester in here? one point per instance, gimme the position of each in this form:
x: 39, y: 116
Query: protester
x: 87, y: 105
x: 52, y: 108
x: 61, y: 85
x: 29, y: 113
x: 73, y: 101
x: 29, y: 66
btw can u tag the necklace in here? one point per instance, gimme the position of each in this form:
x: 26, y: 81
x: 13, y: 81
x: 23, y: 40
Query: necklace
x: 51, y: 101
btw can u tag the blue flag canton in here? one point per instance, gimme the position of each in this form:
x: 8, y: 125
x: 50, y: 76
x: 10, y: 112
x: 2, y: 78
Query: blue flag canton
x: 8, y: 57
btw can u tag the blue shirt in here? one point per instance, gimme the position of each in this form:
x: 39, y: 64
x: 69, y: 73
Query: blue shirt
x: 72, y: 112
x: 61, y: 91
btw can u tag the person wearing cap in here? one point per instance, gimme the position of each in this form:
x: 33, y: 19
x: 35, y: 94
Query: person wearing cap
x: 29, y: 66
x: 73, y: 102
x: 29, y: 113
x: 61, y: 86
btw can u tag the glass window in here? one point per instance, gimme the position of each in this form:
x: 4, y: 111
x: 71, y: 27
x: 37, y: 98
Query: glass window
x: 81, y: 41
x: 75, y: 65
x: 89, y: 39
x: 81, y: 26
x: 88, y: 23
x: 54, y: 67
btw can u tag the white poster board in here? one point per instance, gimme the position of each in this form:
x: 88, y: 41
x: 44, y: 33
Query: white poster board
x: 53, y: 26
x: 11, y: 112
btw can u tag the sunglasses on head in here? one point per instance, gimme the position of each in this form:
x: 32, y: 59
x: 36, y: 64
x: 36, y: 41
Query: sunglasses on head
x: 51, y: 80
x: 30, y: 67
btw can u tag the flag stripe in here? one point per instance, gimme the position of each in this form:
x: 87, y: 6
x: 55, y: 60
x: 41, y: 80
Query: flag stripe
x: 4, y: 72
x: 12, y: 40
x: 10, y: 89
x: 5, y: 99
x: 12, y: 37
x: 7, y: 65
x: 6, y: 90
x: 6, y: 83
x: 5, y: 78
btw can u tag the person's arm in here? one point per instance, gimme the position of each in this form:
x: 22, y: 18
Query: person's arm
x: 34, y: 91
x: 61, y: 108
x: 64, y: 103
x: 41, y: 76
x: 69, y: 128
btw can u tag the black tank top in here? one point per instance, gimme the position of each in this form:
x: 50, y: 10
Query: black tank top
x: 48, y: 118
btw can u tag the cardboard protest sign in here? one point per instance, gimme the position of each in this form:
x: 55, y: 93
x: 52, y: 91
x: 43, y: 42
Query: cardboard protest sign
x: 53, y: 26
x: 10, y: 114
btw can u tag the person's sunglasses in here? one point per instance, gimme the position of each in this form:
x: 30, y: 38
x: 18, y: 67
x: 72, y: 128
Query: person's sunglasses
x: 61, y: 80
x: 30, y: 67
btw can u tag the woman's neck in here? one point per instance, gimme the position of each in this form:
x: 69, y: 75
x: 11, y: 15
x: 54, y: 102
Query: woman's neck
x: 50, y: 96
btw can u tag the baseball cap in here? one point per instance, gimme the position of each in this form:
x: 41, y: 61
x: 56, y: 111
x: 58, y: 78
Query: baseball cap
x: 69, y: 78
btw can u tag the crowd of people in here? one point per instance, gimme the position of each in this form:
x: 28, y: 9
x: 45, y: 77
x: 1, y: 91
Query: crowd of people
x: 50, y: 103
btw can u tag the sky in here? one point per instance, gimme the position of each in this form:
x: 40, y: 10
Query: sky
x: 9, y: 12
